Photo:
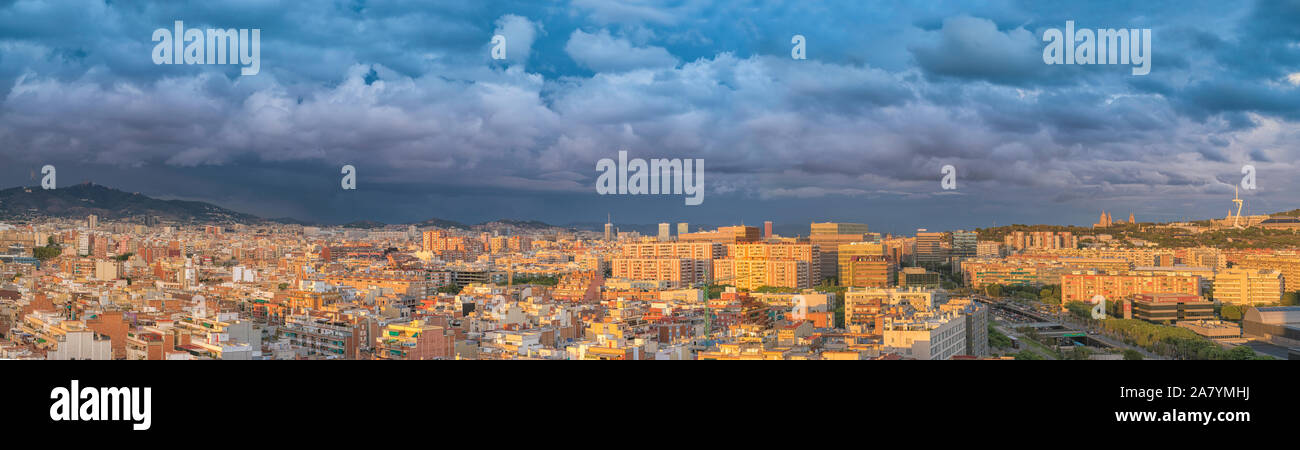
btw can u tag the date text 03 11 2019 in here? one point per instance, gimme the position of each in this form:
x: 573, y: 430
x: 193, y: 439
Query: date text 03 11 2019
x: 1152, y: 393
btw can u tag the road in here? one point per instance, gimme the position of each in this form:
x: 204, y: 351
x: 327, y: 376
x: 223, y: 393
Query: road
x: 1072, y: 323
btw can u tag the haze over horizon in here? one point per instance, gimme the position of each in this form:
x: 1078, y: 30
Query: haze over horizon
x: 858, y: 132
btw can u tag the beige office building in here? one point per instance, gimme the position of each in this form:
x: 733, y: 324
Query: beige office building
x: 828, y: 236
x: 1238, y: 286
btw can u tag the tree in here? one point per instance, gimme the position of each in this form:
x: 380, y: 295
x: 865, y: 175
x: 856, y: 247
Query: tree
x: 1132, y: 355
x: 1230, y: 312
x: 1026, y: 355
x: 47, y: 252
x: 1241, y: 353
x: 993, y: 290
x: 714, y: 291
x: 997, y: 339
x: 773, y: 290
x: 1078, y: 353
x: 283, y: 286
x: 828, y: 286
x: 1291, y: 298
x: 538, y: 280
x: 1080, y: 309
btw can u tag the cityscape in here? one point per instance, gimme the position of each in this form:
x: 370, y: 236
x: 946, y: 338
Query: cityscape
x: 646, y: 180
x: 155, y: 287
x: 297, y: 190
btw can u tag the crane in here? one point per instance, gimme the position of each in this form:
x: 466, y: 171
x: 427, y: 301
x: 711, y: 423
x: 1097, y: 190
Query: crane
x: 708, y: 312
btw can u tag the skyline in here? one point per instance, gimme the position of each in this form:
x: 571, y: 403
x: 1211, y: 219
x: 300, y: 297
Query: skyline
x: 289, y: 184
x: 781, y: 228
x: 857, y: 132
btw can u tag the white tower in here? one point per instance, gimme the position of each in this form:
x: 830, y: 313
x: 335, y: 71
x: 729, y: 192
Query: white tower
x: 1236, y: 198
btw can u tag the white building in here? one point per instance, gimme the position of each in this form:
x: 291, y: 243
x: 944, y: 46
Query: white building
x: 105, y: 270
x: 241, y: 274
x: 81, y: 345
x: 934, y: 338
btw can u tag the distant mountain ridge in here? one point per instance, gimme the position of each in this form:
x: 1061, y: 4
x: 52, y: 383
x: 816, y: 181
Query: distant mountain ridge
x: 78, y: 201
x: 81, y: 200
x: 85, y: 199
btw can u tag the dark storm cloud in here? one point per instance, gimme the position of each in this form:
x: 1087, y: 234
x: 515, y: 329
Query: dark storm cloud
x: 407, y: 92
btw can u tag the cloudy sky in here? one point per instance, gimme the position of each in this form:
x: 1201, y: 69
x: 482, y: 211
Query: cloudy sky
x: 407, y: 92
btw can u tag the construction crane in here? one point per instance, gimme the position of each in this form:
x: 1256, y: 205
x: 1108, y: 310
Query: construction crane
x: 708, y: 312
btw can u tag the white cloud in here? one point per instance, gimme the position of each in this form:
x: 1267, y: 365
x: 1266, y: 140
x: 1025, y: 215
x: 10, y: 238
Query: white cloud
x: 520, y: 33
x: 602, y: 52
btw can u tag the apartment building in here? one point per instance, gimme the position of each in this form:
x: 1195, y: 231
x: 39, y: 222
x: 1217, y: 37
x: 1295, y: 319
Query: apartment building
x: 321, y: 337
x: 1288, y: 263
x: 1242, y: 286
x: 678, y: 272
x: 864, y: 307
x: 1082, y: 286
x: 415, y: 340
x: 755, y: 273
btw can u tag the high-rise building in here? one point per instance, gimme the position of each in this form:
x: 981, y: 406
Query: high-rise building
x: 829, y: 236
x: 823, y: 228
x: 863, y: 264
x: 767, y: 229
x: 665, y: 231
x: 725, y: 235
x: 929, y: 249
x: 1239, y: 286
x: 964, y: 244
x: 92, y: 221
x: 683, y: 228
